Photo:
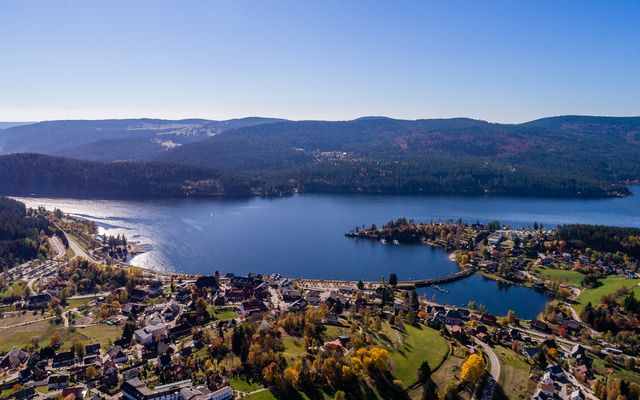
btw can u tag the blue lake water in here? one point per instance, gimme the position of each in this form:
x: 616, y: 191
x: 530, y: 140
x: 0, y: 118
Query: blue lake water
x: 302, y: 235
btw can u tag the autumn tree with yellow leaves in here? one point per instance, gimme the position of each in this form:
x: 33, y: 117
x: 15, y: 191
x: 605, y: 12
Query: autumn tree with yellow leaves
x: 472, y: 369
x: 374, y: 359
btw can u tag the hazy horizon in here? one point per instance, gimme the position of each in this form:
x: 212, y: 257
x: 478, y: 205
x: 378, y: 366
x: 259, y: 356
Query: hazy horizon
x: 310, y: 119
x: 496, y: 61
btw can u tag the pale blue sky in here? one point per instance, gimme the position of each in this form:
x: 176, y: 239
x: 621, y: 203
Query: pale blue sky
x: 504, y: 61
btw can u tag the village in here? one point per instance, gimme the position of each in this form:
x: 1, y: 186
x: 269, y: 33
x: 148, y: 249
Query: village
x: 89, y: 327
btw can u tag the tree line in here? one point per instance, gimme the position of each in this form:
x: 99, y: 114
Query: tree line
x: 28, y: 174
x: 23, y: 235
x: 602, y: 238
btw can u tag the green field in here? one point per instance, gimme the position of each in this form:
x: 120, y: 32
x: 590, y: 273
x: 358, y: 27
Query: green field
x: 103, y: 334
x: 243, y: 385
x: 264, y: 395
x: 615, y: 371
x: 73, y: 303
x: 21, y: 336
x: 419, y: 344
x: 608, y: 285
x: 15, y: 289
x: 562, y: 275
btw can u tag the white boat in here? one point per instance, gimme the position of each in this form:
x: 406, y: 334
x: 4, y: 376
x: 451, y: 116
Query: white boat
x: 395, y: 241
x: 383, y: 241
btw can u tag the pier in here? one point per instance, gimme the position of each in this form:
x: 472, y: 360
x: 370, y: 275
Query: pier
x: 436, y: 281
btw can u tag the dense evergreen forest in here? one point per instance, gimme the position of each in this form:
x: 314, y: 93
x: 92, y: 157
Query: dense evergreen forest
x: 571, y: 156
x: 23, y: 237
x: 34, y: 174
x: 566, y: 156
x: 602, y: 238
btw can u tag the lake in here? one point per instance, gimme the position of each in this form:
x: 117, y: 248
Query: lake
x: 302, y: 235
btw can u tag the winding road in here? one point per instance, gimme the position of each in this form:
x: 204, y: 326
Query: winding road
x: 493, y: 358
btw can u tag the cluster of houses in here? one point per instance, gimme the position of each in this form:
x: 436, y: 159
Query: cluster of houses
x: 520, y: 256
x: 161, y: 325
x: 163, y: 320
x: 248, y: 292
x: 555, y: 385
x: 603, y: 266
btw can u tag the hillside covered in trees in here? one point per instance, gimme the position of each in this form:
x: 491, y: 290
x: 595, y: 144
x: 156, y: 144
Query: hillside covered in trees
x: 22, y: 236
x: 567, y: 156
x: 602, y: 238
x: 571, y: 156
x: 35, y: 174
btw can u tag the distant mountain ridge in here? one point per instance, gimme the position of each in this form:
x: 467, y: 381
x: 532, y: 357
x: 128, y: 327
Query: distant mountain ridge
x: 73, y: 138
x: 560, y: 156
x: 566, y: 155
x: 9, y: 124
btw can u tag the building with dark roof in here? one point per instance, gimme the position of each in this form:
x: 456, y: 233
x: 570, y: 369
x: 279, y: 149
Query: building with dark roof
x: 135, y: 389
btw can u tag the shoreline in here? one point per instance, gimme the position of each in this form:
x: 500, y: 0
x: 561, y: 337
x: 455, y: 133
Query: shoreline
x: 294, y: 192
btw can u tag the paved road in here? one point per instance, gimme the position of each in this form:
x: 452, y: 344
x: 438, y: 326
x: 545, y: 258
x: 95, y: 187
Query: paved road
x: 79, y: 251
x: 493, y: 358
x: 57, y: 244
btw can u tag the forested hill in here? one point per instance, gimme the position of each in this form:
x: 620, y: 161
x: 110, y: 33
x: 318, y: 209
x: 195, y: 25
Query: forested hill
x: 22, y: 237
x: 567, y: 156
x: 559, y: 156
x: 602, y: 238
x: 36, y: 174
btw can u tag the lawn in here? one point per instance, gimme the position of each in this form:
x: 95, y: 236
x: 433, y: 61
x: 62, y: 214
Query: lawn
x: 44, y: 389
x: 21, y: 336
x: 562, y: 275
x: 222, y: 313
x: 243, y: 385
x: 616, y: 372
x: 293, y: 347
x: 608, y: 285
x: 514, y: 374
x: 102, y: 333
x: 264, y: 395
x: 69, y: 255
x: 331, y: 332
x: 22, y: 317
x: 417, y: 344
x: 15, y: 289
x: 82, y: 243
x: 73, y: 303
